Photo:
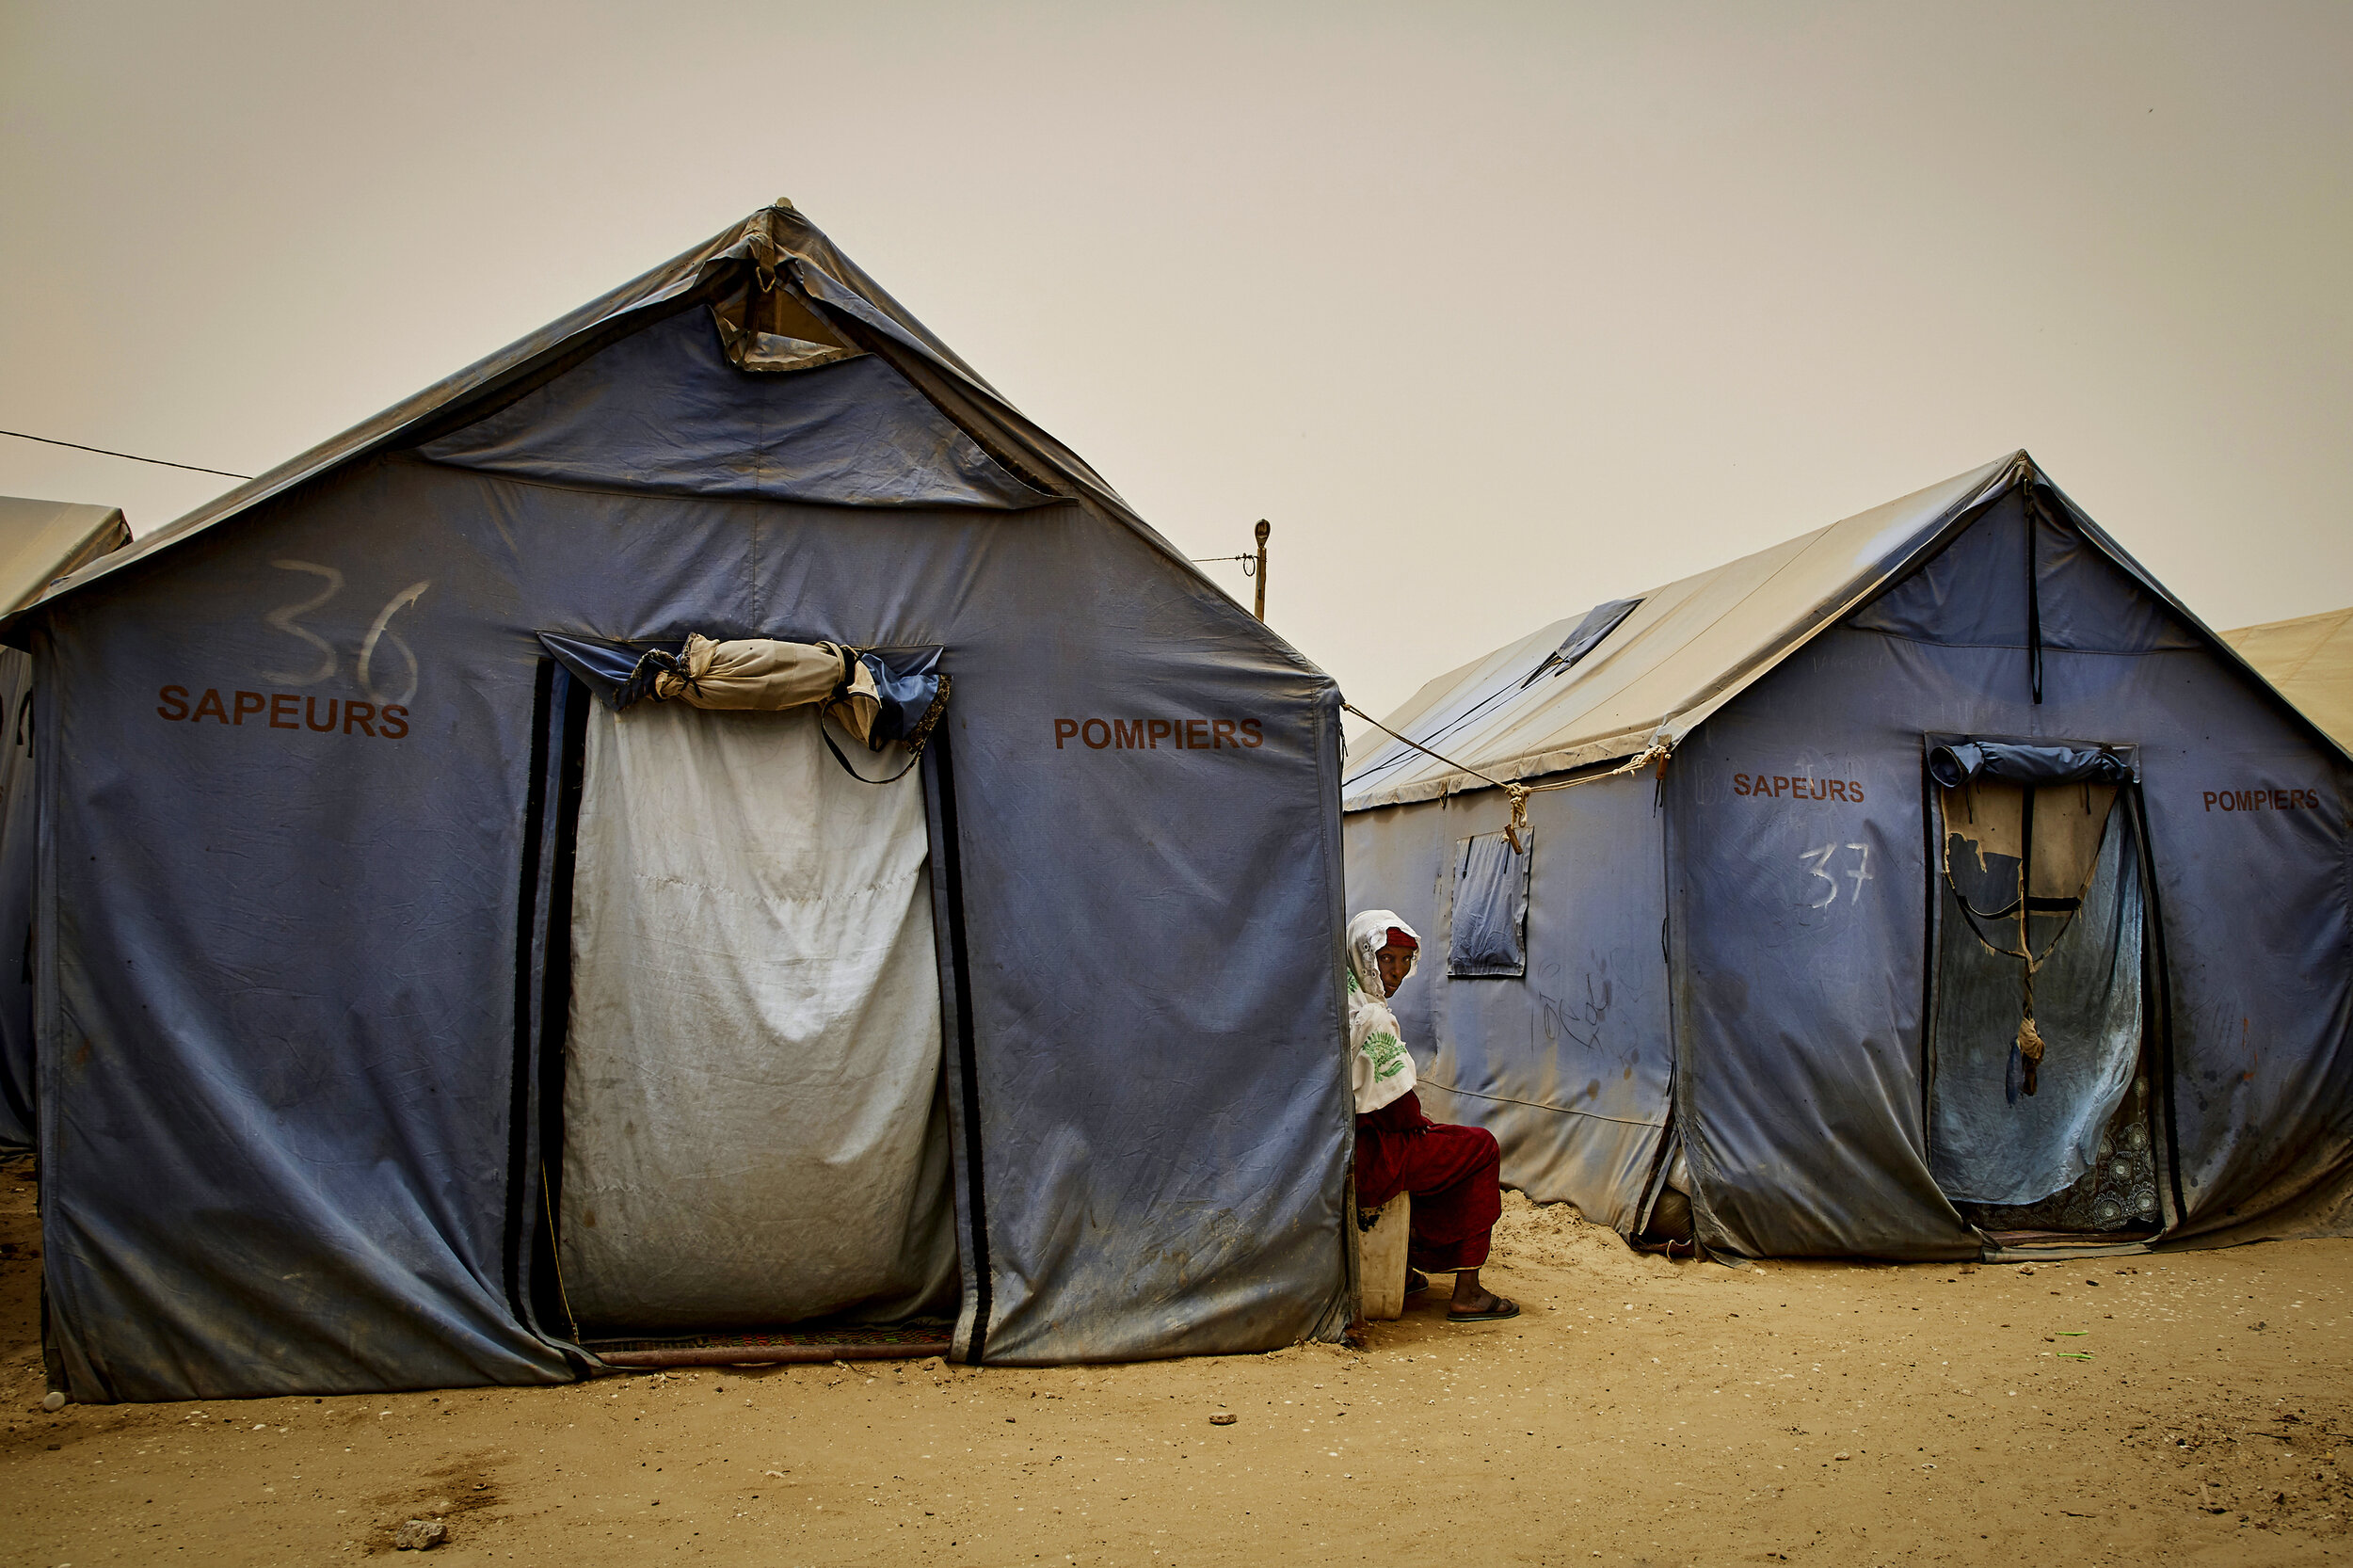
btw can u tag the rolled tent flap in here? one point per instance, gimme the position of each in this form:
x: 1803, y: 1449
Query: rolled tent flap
x: 2026, y: 762
x: 880, y: 696
x: 761, y: 673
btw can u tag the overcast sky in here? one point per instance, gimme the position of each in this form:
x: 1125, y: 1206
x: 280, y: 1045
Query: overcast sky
x: 1495, y: 311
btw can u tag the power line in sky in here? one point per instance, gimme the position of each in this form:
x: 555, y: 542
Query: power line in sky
x: 132, y: 456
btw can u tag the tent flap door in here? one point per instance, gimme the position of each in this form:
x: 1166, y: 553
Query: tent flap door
x: 2038, y: 1070
x: 755, y: 1127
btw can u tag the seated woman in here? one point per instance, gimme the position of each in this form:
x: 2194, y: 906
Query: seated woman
x: 1451, y: 1171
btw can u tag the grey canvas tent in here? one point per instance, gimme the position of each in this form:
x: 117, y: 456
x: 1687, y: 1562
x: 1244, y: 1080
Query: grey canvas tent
x: 1850, y: 811
x: 2310, y: 660
x: 410, y: 1013
x: 40, y: 542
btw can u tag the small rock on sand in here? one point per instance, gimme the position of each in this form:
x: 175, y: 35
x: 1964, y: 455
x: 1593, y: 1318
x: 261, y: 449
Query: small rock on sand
x: 1222, y: 1418
x: 419, y: 1535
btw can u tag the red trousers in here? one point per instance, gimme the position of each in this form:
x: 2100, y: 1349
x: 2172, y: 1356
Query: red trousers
x: 1451, y: 1171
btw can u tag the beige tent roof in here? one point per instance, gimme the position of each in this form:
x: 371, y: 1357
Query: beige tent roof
x: 2310, y: 660
x: 1681, y: 652
x: 1684, y: 651
x: 42, y: 540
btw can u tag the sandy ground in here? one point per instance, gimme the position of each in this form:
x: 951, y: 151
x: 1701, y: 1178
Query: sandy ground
x: 1640, y: 1412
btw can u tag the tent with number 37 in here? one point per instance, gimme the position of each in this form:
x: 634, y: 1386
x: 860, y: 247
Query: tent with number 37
x: 1930, y: 886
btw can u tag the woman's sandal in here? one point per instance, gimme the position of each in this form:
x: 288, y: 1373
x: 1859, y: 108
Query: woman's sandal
x: 1503, y: 1309
x: 1415, y: 1282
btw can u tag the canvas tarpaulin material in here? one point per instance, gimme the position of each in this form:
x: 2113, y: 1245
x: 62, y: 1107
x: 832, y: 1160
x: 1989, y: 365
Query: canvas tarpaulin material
x: 754, y: 1127
x: 853, y: 435
x: 1568, y: 1064
x: 296, y: 967
x: 40, y: 541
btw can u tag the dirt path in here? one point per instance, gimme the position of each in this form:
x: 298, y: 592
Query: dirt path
x: 1640, y: 1412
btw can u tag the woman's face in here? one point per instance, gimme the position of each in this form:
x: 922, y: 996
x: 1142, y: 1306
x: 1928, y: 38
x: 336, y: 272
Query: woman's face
x: 1394, y: 963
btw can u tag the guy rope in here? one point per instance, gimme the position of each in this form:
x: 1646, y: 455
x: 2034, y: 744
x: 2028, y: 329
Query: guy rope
x: 1513, y: 789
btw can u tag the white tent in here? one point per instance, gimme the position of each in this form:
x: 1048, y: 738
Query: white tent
x: 43, y: 540
x: 40, y: 542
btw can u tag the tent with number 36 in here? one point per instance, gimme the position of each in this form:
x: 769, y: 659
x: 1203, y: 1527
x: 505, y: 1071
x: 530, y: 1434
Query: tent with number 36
x: 704, y: 837
x: 1930, y: 886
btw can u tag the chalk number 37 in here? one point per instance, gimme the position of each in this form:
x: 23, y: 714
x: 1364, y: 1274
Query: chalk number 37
x: 1821, y: 866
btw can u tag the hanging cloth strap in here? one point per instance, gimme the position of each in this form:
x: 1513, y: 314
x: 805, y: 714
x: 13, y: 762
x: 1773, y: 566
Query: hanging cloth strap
x: 915, y: 738
x: 2028, y: 1048
x: 1513, y: 791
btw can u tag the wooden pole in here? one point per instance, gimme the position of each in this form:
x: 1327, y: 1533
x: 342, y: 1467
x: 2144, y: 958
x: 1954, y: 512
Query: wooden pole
x: 1264, y: 529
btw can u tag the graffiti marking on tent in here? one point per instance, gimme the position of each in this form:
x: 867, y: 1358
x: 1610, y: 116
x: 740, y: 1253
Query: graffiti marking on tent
x: 1859, y: 871
x: 1580, y: 1021
x: 285, y: 616
x: 287, y: 619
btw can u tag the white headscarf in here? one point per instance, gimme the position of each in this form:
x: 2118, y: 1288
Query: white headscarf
x: 1381, y: 1069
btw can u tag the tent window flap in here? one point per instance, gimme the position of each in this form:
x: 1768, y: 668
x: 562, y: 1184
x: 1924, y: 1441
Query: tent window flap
x: 1587, y: 635
x: 1489, y: 934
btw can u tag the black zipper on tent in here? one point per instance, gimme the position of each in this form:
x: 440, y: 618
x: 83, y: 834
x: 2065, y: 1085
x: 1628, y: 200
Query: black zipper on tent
x: 555, y: 985
x: 967, y: 1053
x: 1933, y: 828
x: 2160, y: 994
x: 2026, y: 879
x: 2034, y: 591
x: 526, y: 914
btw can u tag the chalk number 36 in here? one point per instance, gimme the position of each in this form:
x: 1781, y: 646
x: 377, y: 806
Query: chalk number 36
x: 288, y: 618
